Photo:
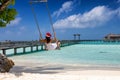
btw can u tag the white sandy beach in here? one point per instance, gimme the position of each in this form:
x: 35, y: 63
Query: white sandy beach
x: 58, y: 72
x: 69, y: 75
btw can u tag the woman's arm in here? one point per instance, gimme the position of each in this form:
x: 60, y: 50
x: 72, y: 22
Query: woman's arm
x: 42, y: 40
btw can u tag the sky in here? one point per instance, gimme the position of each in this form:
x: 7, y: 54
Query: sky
x: 92, y: 19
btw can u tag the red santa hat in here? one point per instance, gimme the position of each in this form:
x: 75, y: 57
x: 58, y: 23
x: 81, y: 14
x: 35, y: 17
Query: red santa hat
x: 48, y: 34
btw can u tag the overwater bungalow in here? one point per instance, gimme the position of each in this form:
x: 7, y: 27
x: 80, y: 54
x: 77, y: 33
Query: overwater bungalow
x: 112, y: 37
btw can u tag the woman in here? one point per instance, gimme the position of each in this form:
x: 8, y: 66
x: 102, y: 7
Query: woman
x: 51, y: 44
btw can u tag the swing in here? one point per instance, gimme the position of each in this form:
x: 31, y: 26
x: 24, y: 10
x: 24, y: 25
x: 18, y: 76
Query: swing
x: 50, y: 46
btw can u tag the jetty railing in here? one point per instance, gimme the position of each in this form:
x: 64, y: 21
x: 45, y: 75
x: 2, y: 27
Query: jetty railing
x: 24, y: 44
x: 4, y: 46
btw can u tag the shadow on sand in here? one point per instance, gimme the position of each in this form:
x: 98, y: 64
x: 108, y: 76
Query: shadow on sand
x: 18, y: 70
x: 54, y: 69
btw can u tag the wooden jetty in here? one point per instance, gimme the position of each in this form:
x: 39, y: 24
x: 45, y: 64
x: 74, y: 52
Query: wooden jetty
x: 24, y: 44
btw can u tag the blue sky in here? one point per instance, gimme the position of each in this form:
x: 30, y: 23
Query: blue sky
x: 93, y: 19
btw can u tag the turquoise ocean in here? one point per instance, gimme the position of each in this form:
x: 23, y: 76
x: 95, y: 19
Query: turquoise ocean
x: 80, y: 54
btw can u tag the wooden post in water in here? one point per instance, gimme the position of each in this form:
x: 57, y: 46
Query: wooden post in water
x: 78, y: 36
x: 74, y: 36
x: 15, y: 51
x: 41, y: 47
x: 31, y: 48
x: 24, y: 49
x: 61, y: 45
x: 36, y: 47
x: 4, y: 51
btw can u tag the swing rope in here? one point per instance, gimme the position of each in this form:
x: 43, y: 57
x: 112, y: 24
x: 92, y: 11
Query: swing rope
x: 50, y: 18
x: 36, y: 21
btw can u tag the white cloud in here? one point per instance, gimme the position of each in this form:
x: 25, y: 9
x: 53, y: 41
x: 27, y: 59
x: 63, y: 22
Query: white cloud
x: 94, y: 18
x: 62, y: 31
x: 8, y: 32
x: 66, y: 7
x: 118, y: 1
x: 19, y: 31
x: 15, y: 22
x: 118, y: 12
x: 22, y: 28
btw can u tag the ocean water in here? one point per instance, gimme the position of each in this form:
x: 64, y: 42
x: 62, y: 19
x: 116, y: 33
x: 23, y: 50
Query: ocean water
x: 81, y: 54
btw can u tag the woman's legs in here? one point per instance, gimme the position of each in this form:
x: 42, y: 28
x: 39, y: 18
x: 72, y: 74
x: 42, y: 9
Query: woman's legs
x: 58, y: 45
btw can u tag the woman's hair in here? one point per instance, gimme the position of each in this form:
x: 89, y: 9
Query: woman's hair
x: 48, y: 39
